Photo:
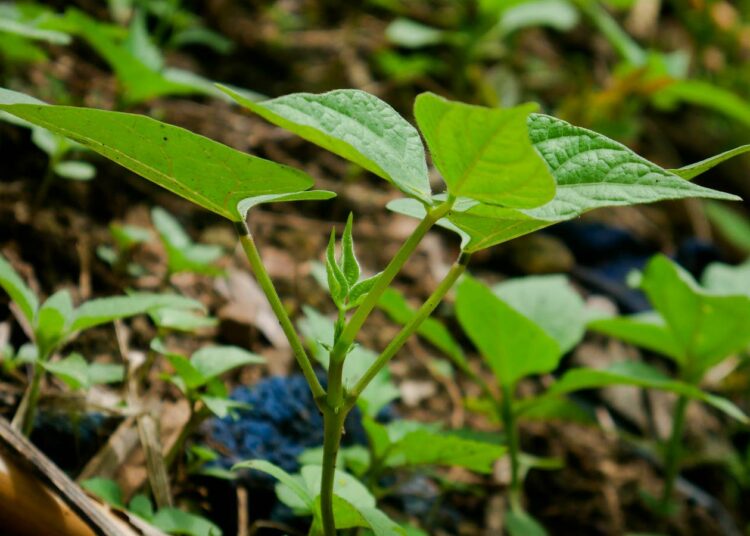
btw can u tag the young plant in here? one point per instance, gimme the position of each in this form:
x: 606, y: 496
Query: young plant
x: 198, y: 379
x: 167, y: 519
x: 694, y: 327
x: 513, y: 172
x: 126, y: 239
x: 183, y: 255
x: 56, y: 322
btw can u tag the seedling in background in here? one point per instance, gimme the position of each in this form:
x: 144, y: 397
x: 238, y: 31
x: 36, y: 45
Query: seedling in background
x: 56, y: 322
x: 523, y: 328
x: 513, y: 172
x: 198, y: 379
x: 167, y: 519
x: 183, y: 255
x: 696, y: 328
x: 126, y: 239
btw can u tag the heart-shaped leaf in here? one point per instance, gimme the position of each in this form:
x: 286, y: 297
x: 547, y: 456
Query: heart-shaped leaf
x: 484, y: 153
x: 513, y: 345
x: 354, y: 125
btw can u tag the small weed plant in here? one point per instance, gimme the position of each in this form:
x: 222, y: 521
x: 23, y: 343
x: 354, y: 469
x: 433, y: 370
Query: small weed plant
x: 507, y: 172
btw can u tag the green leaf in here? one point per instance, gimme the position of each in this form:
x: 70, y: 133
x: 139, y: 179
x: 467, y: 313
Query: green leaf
x: 75, y: 170
x: 432, y: 330
x: 21, y: 295
x: 183, y: 254
x: 425, y: 447
x: 176, y: 521
x: 360, y: 290
x: 693, y: 170
x: 558, y: 14
x: 337, y: 282
x: 100, y: 373
x: 222, y: 407
x: 725, y: 279
x: 707, y: 328
x: 638, y: 374
x: 512, y: 345
x: 201, y: 170
x: 349, y: 264
x: 379, y: 522
x: 520, y: 523
x: 139, y: 44
x: 128, y: 236
x: 591, y: 171
x: 106, y: 489
x: 731, y: 225
x: 141, y: 506
x: 104, y: 310
x: 646, y: 330
x: 345, y: 485
x: 190, y: 376
x: 213, y: 361
x: 73, y: 370
x: 299, y: 490
x: 493, y: 161
x: 550, y: 302
x: 594, y: 171
x: 354, y: 125
x: 181, y: 319
x: 52, y: 318
x: 411, y: 34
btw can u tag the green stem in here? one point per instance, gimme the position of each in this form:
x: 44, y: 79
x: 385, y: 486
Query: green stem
x: 264, y: 280
x: 386, y: 277
x: 28, y: 407
x: 196, y: 418
x: 333, y: 426
x: 511, y: 433
x: 458, y: 268
x: 672, y: 454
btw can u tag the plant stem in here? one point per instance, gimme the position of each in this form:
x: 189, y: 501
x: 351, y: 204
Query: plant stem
x: 333, y: 426
x: 386, y: 277
x: 672, y: 454
x: 264, y: 280
x: 27, y: 409
x: 511, y: 433
x: 195, y: 419
x: 458, y: 268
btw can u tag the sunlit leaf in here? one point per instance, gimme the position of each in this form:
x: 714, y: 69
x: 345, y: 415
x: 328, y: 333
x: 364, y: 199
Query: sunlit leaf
x: 493, y: 161
x: 21, y: 295
x: 354, y: 125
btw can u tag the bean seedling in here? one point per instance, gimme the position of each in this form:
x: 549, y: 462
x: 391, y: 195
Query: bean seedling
x: 508, y: 172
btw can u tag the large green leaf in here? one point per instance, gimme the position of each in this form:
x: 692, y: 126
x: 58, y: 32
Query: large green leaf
x: 594, y: 171
x: 483, y: 153
x: 706, y: 327
x: 591, y: 171
x: 201, y: 170
x: 21, y: 295
x: 551, y: 302
x: 638, y: 374
x: 354, y: 125
x: 512, y: 345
